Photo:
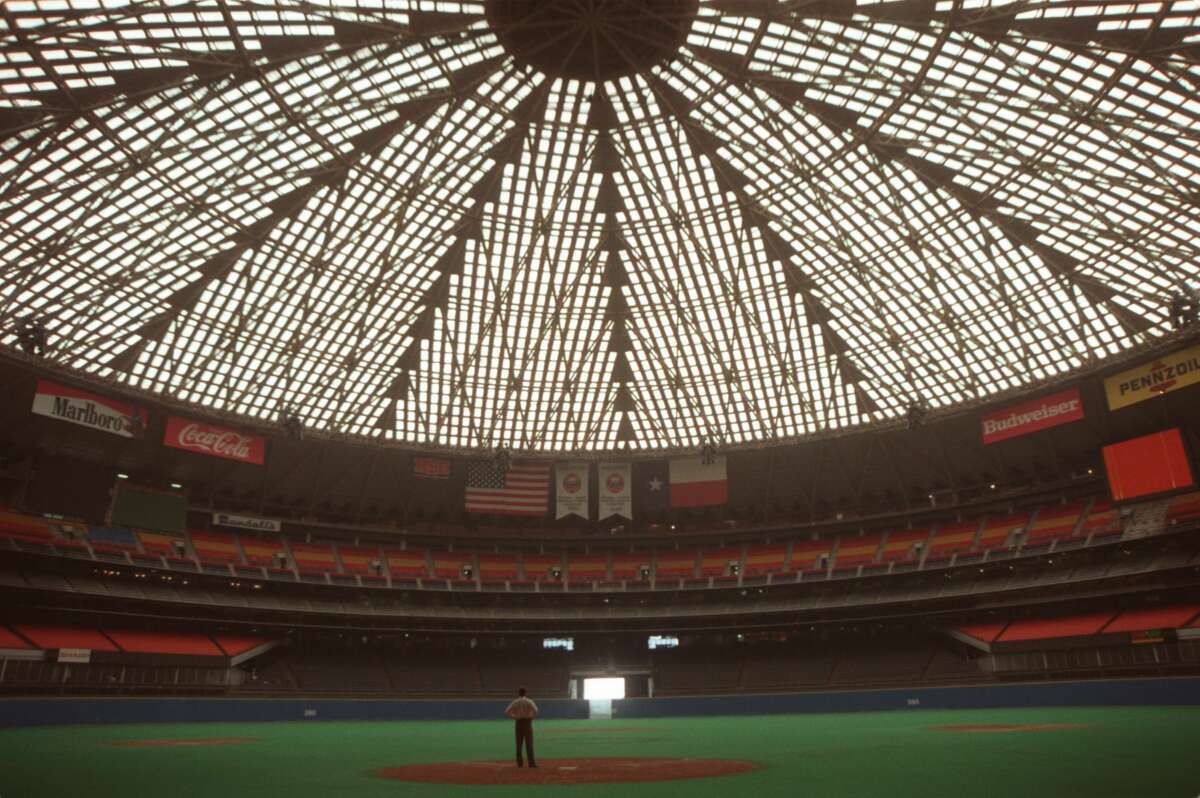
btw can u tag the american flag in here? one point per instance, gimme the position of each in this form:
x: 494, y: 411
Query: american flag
x: 524, y: 489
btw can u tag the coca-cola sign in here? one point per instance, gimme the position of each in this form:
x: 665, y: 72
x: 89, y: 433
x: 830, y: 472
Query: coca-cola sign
x: 194, y: 436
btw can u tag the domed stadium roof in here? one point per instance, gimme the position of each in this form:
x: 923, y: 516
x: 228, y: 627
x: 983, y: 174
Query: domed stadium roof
x: 594, y: 224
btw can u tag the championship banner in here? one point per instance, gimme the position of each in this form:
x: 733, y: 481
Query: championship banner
x: 192, y: 436
x: 1162, y: 375
x: 248, y: 522
x: 88, y: 410
x: 616, y: 490
x: 431, y: 467
x: 571, y: 490
x: 1032, y: 416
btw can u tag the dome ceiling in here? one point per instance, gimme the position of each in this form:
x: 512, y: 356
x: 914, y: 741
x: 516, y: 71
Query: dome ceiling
x: 594, y: 224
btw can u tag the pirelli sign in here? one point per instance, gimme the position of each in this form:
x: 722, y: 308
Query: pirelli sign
x: 1162, y: 375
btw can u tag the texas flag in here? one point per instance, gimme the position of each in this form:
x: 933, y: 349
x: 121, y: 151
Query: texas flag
x: 696, y: 483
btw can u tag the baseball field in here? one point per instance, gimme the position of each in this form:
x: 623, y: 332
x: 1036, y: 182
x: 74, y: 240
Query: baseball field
x: 1034, y: 753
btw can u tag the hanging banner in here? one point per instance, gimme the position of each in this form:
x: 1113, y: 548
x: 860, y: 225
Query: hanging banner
x: 431, y: 467
x: 616, y: 490
x: 89, y: 410
x: 1165, y: 374
x: 699, y: 481
x: 247, y: 522
x: 571, y: 489
x: 1033, y: 416
x: 192, y: 436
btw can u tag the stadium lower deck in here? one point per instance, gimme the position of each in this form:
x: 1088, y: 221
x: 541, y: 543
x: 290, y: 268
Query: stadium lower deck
x: 1128, y: 752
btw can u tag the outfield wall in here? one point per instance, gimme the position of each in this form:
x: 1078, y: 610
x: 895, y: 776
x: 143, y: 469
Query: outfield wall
x: 1122, y: 692
x: 58, y: 711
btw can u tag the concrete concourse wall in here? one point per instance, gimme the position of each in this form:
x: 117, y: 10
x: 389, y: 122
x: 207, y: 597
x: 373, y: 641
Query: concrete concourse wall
x: 1123, y: 692
x: 60, y: 711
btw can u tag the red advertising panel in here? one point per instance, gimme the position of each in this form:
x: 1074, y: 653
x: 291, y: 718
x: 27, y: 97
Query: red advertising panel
x: 1032, y: 416
x: 1144, y: 466
x: 87, y: 409
x: 194, y: 436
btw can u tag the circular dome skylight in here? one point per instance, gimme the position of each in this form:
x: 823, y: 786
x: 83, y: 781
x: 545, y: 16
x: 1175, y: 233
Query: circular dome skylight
x: 594, y: 224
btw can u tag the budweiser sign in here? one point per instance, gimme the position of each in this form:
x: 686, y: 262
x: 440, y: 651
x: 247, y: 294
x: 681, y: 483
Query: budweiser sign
x: 88, y: 410
x: 193, y: 436
x: 1039, y: 414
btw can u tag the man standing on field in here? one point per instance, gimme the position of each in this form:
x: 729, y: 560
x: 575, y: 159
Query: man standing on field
x: 523, y: 711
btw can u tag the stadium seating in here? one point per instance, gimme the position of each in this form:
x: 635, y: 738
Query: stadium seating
x: 215, y: 547
x: 182, y: 643
x: 10, y: 639
x: 50, y: 637
x: 855, y: 551
x: 263, y: 551
x: 160, y: 544
x: 449, y: 564
x: 1000, y: 532
x: 25, y: 527
x: 807, y: 555
x: 407, y: 563
x: 538, y: 566
x: 1184, y: 508
x: 1103, y: 520
x: 582, y: 569
x: 901, y: 545
x: 232, y: 645
x: 715, y: 562
x: 112, y: 539
x: 1062, y: 626
x: 951, y: 539
x: 761, y: 560
x: 314, y: 558
x: 498, y: 567
x: 1054, y: 523
x: 629, y: 566
x: 675, y: 564
x: 1172, y: 617
x: 358, y: 559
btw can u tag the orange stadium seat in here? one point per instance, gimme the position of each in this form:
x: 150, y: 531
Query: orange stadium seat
x: 715, y: 562
x: 537, y: 566
x: 1000, y: 531
x: 806, y: 555
x: 449, y: 564
x: 592, y: 568
x: 675, y: 564
x: 314, y: 558
x: 1172, y: 617
x: 629, y: 566
x: 1102, y: 520
x: 950, y: 539
x: 1062, y: 626
x: 900, y: 545
x: 187, y: 643
x: 1054, y: 523
x: 25, y: 527
x: 498, y: 567
x: 1183, y: 508
x: 262, y: 551
x: 215, y: 547
x: 10, y: 639
x: 855, y: 551
x: 156, y: 543
x: 762, y: 560
x: 358, y: 559
x: 66, y: 637
x: 407, y: 562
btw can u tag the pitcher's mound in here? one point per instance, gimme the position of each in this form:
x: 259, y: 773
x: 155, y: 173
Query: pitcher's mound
x: 597, y: 770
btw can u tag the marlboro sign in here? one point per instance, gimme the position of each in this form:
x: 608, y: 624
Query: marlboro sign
x: 193, y: 436
x: 88, y: 409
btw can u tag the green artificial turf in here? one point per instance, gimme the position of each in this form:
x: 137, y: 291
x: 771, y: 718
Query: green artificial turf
x: 1127, y: 752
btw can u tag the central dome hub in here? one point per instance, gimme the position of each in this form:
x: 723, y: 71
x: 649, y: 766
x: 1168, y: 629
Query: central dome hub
x: 591, y: 39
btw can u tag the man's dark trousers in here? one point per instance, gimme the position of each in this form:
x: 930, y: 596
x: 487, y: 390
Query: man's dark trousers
x: 525, y: 735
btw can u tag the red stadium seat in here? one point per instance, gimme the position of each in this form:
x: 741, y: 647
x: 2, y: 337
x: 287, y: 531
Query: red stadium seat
x: 582, y: 569
x: 629, y: 566
x: 10, y: 639
x: 762, y: 560
x: 1173, y: 617
x: 538, y: 566
x: 314, y: 558
x: 999, y: 532
x: 951, y: 539
x: 855, y: 551
x: 358, y: 559
x: 215, y: 547
x: 66, y: 637
x: 262, y: 551
x: 901, y: 545
x: 675, y: 564
x: 498, y: 567
x: 407, y: 562
x: 184, y: 643
x: 1062, y: 626
x: 715, y: 562
x: 1054, y: 523
x: 1183, y: 508
x: 806, y: 556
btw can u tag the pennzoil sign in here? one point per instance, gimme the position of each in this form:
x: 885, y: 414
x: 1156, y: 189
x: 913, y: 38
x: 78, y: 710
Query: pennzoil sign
x: 1162, y: 375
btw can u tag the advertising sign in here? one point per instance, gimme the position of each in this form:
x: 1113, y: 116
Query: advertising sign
x: 1032, y: 416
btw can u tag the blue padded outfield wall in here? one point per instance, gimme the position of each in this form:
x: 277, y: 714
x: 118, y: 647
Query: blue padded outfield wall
x: 1125, y: 692
x: 47, y: 711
